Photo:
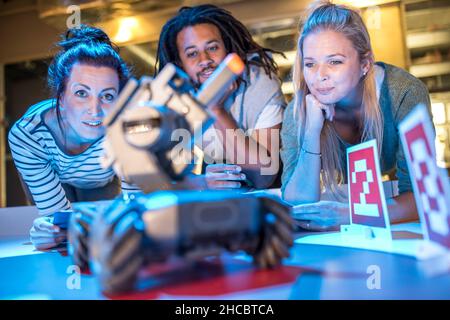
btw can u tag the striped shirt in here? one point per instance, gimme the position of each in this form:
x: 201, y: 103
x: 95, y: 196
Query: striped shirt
x: 44, y: 166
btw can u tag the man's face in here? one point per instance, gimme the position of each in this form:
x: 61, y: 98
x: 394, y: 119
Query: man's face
x: 201, y: 50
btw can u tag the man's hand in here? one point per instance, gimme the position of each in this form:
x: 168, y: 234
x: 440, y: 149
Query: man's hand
x: 224, y: 176
x: 218, y: 107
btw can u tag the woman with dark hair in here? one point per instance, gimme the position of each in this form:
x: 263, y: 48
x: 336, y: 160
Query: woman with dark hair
x: 57, y: 144
x: 197, y: 40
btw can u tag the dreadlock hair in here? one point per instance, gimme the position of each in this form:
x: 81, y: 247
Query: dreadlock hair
x: 236, y: 37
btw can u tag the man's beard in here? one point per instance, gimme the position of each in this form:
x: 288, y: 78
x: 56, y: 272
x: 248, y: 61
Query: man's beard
x: 197, y: 82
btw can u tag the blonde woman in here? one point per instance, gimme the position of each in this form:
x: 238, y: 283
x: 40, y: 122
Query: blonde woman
x: 342, y: 98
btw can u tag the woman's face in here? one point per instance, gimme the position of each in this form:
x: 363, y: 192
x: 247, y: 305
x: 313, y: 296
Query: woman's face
x: 201, y: 50
x: 331, y: 66
x: 88, y: 98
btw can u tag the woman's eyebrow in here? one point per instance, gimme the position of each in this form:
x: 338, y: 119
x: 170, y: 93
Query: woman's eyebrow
x: 81, y: 84
x: 328, y: 56
x: 111, y: 88
x: 336, y: 54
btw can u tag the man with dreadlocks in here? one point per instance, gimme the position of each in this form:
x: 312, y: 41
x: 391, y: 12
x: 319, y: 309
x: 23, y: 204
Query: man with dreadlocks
x: 197, y: 39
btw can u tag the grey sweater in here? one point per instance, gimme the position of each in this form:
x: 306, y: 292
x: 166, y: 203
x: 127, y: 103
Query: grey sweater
x: 400, y: 93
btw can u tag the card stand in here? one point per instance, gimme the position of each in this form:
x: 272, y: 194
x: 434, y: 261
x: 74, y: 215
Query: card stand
x: 427, y: 250
x: 417, y: 248
x: 381, y: 239
x: 434, y: 259
x: 366, y: 237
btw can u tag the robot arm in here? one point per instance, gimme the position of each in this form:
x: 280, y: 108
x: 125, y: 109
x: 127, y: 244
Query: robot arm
x: 141, y: 132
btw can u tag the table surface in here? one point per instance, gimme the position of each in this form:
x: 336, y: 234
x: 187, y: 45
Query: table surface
x: 311, y: 272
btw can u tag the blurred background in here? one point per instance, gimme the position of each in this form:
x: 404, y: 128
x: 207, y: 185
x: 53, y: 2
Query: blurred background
x: 412, y: 34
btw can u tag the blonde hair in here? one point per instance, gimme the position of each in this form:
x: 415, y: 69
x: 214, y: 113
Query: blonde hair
x: 324, y: 15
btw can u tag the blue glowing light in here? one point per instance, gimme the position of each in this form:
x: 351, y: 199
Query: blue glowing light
x: 161, y: 200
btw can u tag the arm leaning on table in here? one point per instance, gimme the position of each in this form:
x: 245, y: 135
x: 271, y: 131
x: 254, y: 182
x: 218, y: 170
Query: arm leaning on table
x: 34, y: 167
x: 42, y: 183
x: 301, y: 164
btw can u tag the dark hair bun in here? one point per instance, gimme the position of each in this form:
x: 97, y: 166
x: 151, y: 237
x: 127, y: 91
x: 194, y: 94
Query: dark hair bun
x: 77, y: 36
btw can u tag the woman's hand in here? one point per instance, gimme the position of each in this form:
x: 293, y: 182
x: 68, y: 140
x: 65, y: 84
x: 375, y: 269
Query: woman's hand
x: 322, y: 215
x: 317, y: 113
x: 45, y: 235
x: 224, y: 176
